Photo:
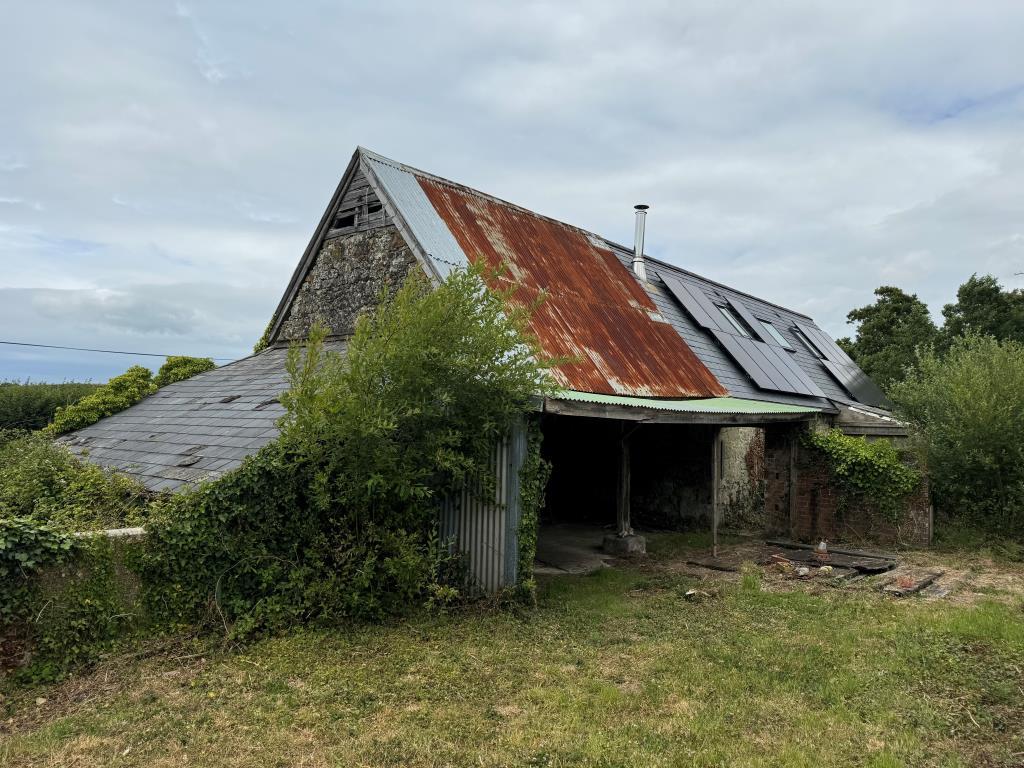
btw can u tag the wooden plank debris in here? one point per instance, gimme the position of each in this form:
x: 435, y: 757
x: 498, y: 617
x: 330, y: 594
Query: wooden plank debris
x: 909, y: 584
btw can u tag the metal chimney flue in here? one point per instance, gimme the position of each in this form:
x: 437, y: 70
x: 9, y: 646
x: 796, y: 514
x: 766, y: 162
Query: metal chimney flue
x: 639, y: 266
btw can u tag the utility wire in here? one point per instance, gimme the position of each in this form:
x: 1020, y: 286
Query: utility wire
x: 107, y: 351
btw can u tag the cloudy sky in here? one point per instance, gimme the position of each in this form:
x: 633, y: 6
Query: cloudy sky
x: 163, y: 164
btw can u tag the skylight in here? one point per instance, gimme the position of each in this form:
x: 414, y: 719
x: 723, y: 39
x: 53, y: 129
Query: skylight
x: 807, y: 343
x: 772, y: 331
x: 734, y: 321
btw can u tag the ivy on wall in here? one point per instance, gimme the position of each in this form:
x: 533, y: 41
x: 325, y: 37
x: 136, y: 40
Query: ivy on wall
x: 872, y: 473
x: 533, y: 479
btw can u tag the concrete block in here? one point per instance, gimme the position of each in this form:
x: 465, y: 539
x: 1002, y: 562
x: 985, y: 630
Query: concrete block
x: 625, y: 546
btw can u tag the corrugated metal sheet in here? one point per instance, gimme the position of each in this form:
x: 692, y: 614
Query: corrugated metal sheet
x: 595, y: 312
x: 485, y: 530
x: 724, y: 405
x: 425, y: 227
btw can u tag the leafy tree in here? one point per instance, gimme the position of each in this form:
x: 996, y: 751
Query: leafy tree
x: 967, y: 411
x: 889, y: 333
x: 983, y: 307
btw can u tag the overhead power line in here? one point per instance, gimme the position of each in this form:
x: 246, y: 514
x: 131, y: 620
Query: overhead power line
x: 106, y: 351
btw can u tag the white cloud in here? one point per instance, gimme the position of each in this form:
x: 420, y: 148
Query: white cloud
x: 804, y: 152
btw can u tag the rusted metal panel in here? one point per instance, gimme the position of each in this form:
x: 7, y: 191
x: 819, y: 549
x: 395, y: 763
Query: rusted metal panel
x: 595, y: 312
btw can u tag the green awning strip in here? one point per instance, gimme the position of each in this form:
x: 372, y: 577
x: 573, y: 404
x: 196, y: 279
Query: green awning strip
x: 704, y: 405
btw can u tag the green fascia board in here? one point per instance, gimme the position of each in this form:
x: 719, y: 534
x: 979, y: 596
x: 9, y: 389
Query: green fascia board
x: 703, y: 405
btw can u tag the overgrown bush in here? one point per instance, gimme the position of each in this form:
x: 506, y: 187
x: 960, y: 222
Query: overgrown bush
x: 45, y: 482
x: 179, y: 368
x: 25, y: 405
x: 338, y: 517
x: 967, y: 410
x: 117, y: 394
x: 870, y: 473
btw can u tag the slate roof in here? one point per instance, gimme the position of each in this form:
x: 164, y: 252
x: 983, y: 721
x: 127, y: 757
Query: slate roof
x: 192, y: 430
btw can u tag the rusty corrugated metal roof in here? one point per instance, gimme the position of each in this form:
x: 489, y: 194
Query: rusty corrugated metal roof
x: 595, y: 313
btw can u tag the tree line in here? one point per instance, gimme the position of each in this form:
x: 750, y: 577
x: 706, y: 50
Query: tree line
x: 892, y: 331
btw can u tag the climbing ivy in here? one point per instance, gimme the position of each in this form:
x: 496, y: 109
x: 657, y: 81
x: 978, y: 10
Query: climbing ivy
x: 867, y: 472
x: 533, y: 479
x: 27, y: 546
x: 264, y: 340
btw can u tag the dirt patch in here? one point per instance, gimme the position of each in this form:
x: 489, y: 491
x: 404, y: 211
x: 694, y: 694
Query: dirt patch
x: 960, y: 578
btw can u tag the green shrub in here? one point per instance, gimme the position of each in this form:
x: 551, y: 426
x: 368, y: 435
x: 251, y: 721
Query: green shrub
x: 967, y: 410
x: 178, y: 368
x: 117, y: 394
x: 868, y: 472
x: 31, y: 406
x: 45, y: 482
x: 339, y: 516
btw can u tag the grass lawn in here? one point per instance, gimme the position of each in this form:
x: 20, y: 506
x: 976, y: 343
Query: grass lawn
x: 613, y: 669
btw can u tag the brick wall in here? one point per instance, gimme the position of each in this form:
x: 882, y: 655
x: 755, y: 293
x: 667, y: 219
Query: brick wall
x: 802, y: 502
x: 777, y: 448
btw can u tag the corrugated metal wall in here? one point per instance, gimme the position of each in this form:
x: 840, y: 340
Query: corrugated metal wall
x: 485, y: 529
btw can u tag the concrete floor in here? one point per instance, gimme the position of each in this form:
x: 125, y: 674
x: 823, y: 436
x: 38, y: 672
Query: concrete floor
x: 570, y: 548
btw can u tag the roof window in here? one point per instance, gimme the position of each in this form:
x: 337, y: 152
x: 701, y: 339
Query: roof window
x: 734, y: 321
x: 807, y: 343
x: 772, y: 331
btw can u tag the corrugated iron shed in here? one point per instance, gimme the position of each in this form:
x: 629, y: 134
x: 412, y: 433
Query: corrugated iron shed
x: 594, y: 313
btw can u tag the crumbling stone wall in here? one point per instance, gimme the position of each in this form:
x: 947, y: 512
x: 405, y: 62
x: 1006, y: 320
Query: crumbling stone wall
x: 346, y: 279
x: 742, y: 481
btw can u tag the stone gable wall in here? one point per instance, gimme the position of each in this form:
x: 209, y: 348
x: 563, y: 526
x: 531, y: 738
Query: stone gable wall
x: 346, y: 279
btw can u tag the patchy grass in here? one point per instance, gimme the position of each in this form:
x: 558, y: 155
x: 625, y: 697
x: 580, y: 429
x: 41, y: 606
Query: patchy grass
x: 613, y: 669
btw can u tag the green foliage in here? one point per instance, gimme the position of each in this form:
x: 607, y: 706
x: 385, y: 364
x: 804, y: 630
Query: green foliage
x: 179, y: 368
x: 26, y: 547
x: 533, y: 479
x: 264, y: 340
x: 24, y: 405
x: 888, y: 334
x: 117, y: 394
x: 338, y: 517
x: 872, y: 473
x: 967, y: 408
x: 983, y: 308
x: 89, y: 606
x: 46, y: 482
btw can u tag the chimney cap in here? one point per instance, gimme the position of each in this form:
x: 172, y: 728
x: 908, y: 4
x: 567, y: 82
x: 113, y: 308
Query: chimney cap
x: 641, y: 207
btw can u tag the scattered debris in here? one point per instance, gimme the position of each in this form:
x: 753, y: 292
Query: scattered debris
x: 909, y: 584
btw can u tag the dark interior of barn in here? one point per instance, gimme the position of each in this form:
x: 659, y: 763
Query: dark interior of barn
x: 670, y: 472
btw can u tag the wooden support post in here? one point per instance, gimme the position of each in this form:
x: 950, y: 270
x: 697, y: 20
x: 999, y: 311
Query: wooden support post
x: 716, y: 481
x: 622, y: 508
x: 793, y: 481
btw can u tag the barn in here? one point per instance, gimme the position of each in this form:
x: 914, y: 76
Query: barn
x: 681, y: 402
